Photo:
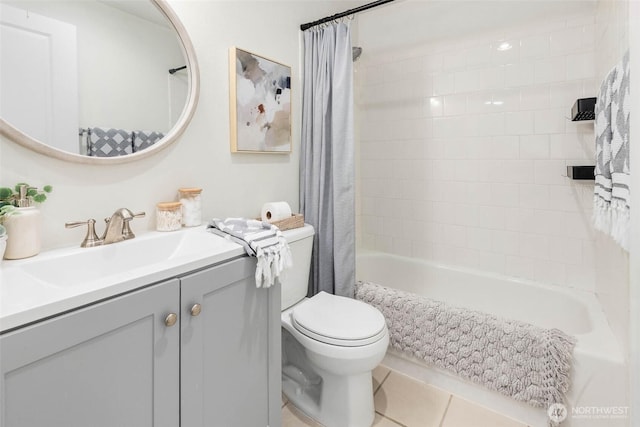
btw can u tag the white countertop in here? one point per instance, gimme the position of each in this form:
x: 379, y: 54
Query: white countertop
x: 54, y: 281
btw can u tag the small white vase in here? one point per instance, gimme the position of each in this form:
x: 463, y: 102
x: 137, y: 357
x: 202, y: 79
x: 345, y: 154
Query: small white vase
x: 23, y: 229
x: 3, y: 245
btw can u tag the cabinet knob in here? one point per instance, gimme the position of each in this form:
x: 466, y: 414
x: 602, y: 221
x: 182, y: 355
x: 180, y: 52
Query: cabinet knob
x: 171, y: 319
x: 196, y: 309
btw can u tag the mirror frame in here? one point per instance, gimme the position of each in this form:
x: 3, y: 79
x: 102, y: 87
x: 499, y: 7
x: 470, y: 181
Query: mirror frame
x: 16, y: 135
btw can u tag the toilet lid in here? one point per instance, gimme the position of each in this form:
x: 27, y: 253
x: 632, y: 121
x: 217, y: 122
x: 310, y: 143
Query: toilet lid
x: 339, y: 320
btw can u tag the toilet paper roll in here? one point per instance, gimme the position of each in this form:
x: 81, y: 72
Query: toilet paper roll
x: 275, y: 211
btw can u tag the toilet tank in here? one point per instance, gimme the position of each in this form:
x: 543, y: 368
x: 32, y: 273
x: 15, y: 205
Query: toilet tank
x: 296, y: 279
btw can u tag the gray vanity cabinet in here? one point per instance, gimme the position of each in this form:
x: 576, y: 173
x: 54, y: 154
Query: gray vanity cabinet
x: 111, y: 364
x: 230, y: 352
x: 199, y: 350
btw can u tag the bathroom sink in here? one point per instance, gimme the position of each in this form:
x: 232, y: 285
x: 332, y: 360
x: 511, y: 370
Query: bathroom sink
x: 150, y: 252
x: 64, y: 279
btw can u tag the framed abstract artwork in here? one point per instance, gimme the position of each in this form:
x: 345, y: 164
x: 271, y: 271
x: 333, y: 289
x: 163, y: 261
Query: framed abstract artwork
x: 259, y: 104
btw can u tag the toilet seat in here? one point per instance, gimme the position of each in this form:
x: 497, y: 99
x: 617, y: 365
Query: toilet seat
x: 339, y: 321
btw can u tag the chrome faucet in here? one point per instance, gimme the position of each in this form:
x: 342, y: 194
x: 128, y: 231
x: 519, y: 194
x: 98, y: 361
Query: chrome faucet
x: 116, y: 230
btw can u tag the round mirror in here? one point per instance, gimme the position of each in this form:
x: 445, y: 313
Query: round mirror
x: 95, y: 81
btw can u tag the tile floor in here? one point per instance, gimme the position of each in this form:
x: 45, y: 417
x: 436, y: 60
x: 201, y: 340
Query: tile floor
x: 402, y: 401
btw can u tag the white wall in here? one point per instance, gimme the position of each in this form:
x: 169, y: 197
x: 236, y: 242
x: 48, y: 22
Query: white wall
x: 464, y: 149
x: 233, y: 185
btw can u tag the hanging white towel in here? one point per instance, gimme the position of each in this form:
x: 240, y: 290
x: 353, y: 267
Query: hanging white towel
x: 261, y: 240
x: 612, y: 202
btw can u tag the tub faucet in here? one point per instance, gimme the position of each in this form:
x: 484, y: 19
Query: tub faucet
x: 117, y: 228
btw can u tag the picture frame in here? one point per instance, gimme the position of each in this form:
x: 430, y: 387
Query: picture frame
x: 259, y: 104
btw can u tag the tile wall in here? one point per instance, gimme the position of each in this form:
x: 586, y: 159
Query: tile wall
x: 463, y: 148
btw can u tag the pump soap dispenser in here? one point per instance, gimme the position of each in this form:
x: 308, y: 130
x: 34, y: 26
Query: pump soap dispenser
x: 23, y: 228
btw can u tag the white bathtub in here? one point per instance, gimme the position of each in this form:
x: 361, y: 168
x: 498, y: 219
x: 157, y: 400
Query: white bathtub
x: 599, y: 383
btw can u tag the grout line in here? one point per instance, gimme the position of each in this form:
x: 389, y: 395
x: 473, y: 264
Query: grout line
x: 382, y: 382
x: 444, y: 415
x: 391, y: 419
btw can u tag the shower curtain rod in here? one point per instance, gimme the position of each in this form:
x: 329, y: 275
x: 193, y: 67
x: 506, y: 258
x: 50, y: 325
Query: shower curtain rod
x: 308, y: 25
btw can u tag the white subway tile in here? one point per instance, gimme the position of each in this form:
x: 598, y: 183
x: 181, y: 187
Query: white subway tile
x: 446, y: 127
x: 579, y: 225
x: 434, y: 233
x: 534, y: 97
x: 503, y: 147
x: 455, y: 105
x: 466, y: 215
x: 443, y: 212
x: 375, y: 169
x: 493, y: 217
x: 566, y: 41
x: 563, y: 95
x: 492, y: 262
x: 480, y: 102
x: 505, y: 242
x: 579, y: 147
x: 444, y: 170
x: 518, y: 266
x: 402, y: 247
x: 519, y: 219
x: 581, y: 66
x: 371, y: 224
x: 505, y: 194
x: 547, y: 222
x: 548, y: 271
x: 490, y: 124
x: 422, y: 250
x: 491, y: 77
x: 443, y: 83
x: 534, y: 246
x: 478, y: 193
x: 519, y: 123
x: 506, y: 51
x: 550, y: 70
x: 581, y: 277
x: 454, y: 60
x: 455, y: 235
x: 467, y: 258
x: 478, y: 56
x: 511, y: 171
x: 505, y: 99
x: 534, y: 147
x: 566, y: 250
x: 454, y: 191
x: 521, y: 74
x: 445, y: 254
x: 455, y: 148
x: 565, y: 198
x: 479, y: 238
x: 534, y: 196
x: 536, y: 46
x: 552, y: 172
x: 433, y: 106
x: 466, y: 81
x: 432, y: 64
x: 383, y: 243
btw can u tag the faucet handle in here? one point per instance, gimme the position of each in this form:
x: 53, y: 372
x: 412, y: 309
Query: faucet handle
x: 91, y: 239
x: 126, y: 229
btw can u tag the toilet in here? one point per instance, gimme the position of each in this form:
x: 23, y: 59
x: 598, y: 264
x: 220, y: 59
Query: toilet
x: 330, y: 345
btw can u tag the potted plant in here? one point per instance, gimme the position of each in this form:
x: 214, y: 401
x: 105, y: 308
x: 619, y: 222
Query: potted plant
x: 21, y: 220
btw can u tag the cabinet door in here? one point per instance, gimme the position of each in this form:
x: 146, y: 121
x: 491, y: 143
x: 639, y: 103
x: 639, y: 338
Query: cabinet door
x: 112, y: 364
x: 230, y: 352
